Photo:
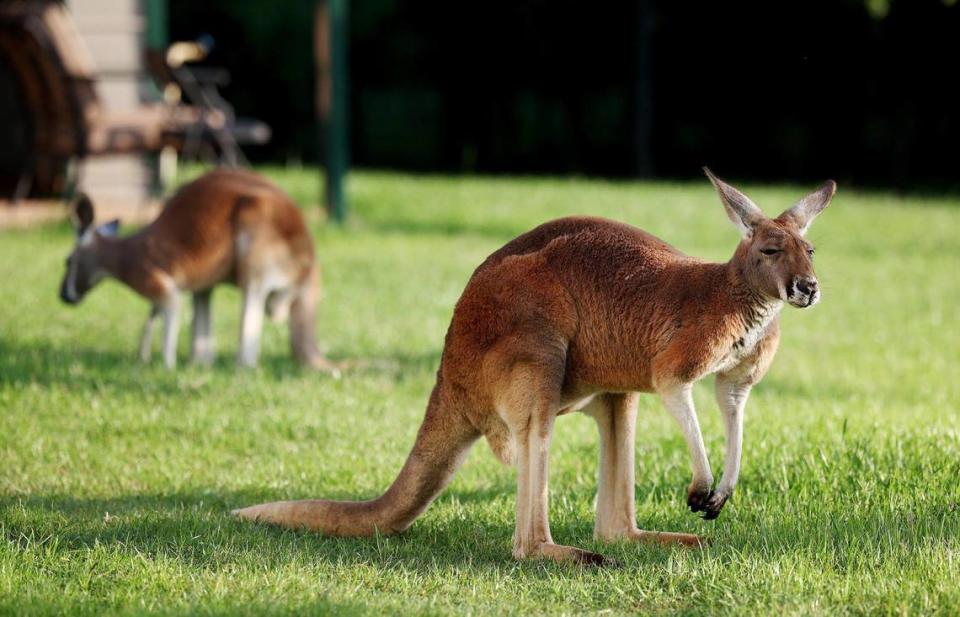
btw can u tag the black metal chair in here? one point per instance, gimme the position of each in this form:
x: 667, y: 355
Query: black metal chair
x: 221, y: 128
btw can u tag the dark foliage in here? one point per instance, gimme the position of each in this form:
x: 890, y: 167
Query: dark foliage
x: 759, y: 89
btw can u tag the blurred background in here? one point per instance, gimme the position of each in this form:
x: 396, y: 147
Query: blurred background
x: 116, y: 477
x: 859, y: 90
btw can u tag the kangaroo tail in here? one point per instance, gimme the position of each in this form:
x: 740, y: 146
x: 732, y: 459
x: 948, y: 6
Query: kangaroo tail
x: 303, y: 311
x: 442, y: 443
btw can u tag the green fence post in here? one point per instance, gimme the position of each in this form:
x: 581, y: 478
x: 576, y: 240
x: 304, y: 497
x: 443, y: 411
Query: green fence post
x: 157, y: 23
x: 333, y: 33
x: 156, y: 36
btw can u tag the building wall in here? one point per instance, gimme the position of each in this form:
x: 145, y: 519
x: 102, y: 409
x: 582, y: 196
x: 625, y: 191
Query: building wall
x: 114, y: 30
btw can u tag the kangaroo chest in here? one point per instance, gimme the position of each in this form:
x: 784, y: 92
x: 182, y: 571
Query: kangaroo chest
x: 745, y: 336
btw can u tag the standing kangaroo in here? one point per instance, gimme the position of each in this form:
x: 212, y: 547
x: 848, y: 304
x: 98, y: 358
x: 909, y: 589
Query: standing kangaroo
x: 224, y: 227
x: 581, y: 314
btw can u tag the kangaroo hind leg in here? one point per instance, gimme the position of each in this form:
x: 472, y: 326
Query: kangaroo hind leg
x: 202, y: 350
x: 615, y: 415
x: 278, y: 304
x: 527, y: 400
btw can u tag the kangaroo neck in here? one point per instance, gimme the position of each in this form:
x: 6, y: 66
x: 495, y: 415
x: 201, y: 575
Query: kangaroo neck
x: 122, y: 258
x: 755, y: 308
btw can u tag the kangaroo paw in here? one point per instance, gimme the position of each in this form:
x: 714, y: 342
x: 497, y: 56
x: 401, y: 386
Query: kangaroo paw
x: 698, y: 497
x: 713, y: 506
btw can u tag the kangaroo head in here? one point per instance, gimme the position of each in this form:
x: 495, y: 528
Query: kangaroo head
x: 774, y: 258
x: 83, y: 264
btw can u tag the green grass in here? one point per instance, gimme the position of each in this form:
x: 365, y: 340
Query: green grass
x: 116, y: 479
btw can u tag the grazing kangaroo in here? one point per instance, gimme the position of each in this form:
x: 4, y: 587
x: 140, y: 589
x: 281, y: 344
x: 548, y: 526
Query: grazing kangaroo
x: 225, y: 227
x: 581, y: 314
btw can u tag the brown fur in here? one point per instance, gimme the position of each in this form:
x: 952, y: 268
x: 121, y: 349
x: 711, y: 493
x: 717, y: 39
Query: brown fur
x: 226, y: 227
x: 581, y: 313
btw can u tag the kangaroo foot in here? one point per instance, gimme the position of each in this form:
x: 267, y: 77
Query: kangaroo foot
x: 322, y: 364
x: 564, y: 554
x: 666, y: 538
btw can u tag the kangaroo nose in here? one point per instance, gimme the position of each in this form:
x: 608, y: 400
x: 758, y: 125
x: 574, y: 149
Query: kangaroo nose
x: 807, y: 286
x: 65, y: 295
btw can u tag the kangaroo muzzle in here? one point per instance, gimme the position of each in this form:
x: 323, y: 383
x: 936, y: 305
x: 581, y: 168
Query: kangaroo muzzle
x: 67, y: 295
x: 803, y: 292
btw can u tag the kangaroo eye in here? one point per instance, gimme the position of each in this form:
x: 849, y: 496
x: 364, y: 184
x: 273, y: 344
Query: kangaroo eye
x: 771, y: 251
x: 811, y: 251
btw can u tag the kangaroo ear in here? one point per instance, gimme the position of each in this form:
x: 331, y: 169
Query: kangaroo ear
x: 742, y: 212
x: 109, y: 229
x: 804, y: 211
x: 81, y: 213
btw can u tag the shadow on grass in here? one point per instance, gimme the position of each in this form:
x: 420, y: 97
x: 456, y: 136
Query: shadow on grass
x: 195, y: 528
x: 241, y: 606
x: 43, y: 364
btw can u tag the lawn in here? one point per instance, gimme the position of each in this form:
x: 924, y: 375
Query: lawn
x: 116, y: 478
